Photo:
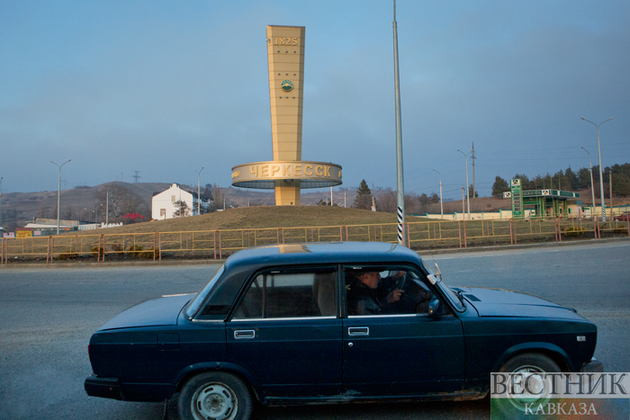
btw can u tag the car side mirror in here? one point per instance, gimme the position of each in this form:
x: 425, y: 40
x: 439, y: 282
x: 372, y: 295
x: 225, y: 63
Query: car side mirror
x: 434, y: 308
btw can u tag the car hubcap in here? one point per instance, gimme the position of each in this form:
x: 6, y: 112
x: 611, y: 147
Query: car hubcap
x: 214, y: 402
x: 532, y: 386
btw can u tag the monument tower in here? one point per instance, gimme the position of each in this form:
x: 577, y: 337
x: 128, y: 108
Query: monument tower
x: 287, y: 173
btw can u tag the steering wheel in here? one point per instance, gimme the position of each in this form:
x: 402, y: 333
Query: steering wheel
x: 412, y: 297
x: 400, y: 282
x: 416, y: 297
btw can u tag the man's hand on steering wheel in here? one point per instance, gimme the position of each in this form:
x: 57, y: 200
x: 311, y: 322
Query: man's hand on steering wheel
x: 394, y: 296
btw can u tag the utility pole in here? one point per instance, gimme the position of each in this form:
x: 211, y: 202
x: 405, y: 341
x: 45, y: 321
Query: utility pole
x: 59, y: 190
x: 611, y: 199
x: 464, y: 202
x: 441, y: 202
x: 590, y: 169
x: 474, y: 192
x: 137, y: 176
x: 467, y: 184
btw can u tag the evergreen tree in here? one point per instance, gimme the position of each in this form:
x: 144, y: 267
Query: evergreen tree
x: 499, y: 187
x: 571, y: 179
x: 363, y: 199
x: 526, y: 184
x: 424, y: 200
x: 584, y: 178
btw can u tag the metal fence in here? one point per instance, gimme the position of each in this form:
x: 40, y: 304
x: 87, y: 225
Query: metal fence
x: 218, y: 244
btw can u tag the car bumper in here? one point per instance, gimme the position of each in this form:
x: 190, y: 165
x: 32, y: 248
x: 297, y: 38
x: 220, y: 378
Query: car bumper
x: 103, y: 387
x: 593, y: 366
x: 95, y: 386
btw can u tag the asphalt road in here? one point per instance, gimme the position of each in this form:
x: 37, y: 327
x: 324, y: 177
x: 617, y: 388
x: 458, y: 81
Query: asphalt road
x: 48, y: 315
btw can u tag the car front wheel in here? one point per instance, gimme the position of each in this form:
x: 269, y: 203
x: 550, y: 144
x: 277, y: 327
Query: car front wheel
x: 529, y: 383
x: 215, y: 396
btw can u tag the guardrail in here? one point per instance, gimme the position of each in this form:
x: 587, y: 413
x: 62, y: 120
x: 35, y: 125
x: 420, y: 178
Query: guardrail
x: 218, y: 244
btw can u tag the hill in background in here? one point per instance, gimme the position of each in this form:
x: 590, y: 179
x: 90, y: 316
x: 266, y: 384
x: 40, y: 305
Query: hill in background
x: 79, y: 203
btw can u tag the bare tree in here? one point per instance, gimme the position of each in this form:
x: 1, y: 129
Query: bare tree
x: 386, y: 201
x: 120, y: 201
x: 217, y: 196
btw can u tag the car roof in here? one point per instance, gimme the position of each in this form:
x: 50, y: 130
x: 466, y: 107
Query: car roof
x: 324, y: 252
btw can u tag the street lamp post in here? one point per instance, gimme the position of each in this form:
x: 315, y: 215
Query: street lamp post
x: 199, y: 190
x: 601, y: 176
x: 400, y: 194
x: 441, y: 202
x: 59, y: 190
x: 590, y: 169
x: 467, y: 185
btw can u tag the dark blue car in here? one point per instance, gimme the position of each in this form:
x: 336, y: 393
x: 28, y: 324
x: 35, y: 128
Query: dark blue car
x: 336, y: 322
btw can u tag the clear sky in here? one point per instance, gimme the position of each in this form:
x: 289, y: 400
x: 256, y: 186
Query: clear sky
x: 168, y: 87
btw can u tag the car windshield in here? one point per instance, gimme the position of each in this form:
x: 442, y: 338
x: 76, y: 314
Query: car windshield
x: 450, y: 294
x: 194, y: 304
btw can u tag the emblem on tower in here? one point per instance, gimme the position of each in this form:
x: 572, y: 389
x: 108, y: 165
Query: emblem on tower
x: 287, y: 86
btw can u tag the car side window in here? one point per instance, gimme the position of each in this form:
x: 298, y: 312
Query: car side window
x: 277, y: 294
x: 385, y: 290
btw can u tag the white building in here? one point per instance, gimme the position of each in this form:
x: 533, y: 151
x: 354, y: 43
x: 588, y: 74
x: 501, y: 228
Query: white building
x: 166, y: 204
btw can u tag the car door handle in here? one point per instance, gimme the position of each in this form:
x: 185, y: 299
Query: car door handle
x: 358, y: 331
x: 243, y: 334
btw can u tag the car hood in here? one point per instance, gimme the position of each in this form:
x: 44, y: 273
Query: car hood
x: 505, y: 303
x: 162, y: 311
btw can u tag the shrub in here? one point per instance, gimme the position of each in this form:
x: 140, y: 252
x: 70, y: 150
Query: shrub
x: 574, y: 231
x: 97, y: 251
x: 147, y: 254
x: 68, y: 256
x: 139, y: 252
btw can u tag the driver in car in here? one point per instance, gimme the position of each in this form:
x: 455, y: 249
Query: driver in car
x: 364, y: 297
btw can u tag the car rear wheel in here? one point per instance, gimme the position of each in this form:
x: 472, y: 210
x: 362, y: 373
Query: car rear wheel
x: 215, y: 396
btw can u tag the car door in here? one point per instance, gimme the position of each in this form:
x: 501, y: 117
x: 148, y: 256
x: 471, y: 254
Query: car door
x: 402, y: 351
x: 286, y: 329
